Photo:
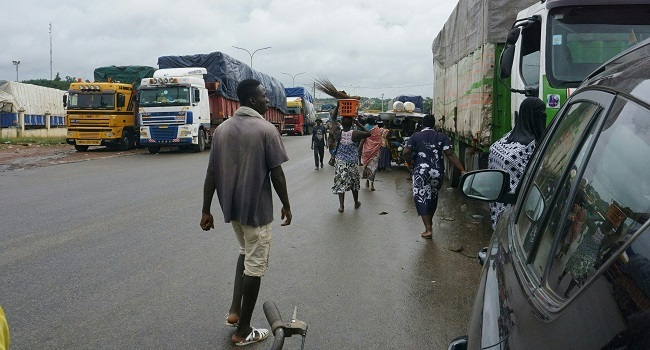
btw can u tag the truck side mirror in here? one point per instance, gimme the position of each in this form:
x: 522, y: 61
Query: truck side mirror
x: 197, y: 96
x: 65, y: 100
x: 508, y: 54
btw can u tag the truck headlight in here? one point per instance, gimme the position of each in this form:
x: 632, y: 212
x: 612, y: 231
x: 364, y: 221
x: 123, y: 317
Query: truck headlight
x: 185, y: 133
x: 144, y: 133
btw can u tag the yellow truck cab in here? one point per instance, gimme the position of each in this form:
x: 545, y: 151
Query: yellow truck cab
x: 100, y: 114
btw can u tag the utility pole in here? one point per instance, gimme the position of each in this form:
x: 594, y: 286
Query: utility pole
x: 382, y: 102
x: 50, y: 50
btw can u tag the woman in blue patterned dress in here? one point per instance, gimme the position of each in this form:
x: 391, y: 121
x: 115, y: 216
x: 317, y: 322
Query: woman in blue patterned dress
x: 513, y: 151
x: 346, y: 172
x: 423, y: 153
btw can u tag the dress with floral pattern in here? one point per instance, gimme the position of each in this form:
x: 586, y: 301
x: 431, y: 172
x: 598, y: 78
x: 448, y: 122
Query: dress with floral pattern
x: 427, y: 147
x: 346, y: 172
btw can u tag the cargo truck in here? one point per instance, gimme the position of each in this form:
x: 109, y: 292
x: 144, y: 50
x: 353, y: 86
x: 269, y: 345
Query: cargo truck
x: 102, y: 113
x: 301, y: 114
x: 189, y: 96
x: 520, y: 48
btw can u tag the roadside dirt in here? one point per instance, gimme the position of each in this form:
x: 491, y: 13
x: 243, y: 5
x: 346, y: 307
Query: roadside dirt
x: 25, y: 156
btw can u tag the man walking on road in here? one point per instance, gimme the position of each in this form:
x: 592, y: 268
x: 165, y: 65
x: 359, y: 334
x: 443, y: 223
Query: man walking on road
x: 245, y: 159
x: 318, y: 141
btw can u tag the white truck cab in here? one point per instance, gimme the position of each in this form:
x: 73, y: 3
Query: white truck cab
x: 174, y: 110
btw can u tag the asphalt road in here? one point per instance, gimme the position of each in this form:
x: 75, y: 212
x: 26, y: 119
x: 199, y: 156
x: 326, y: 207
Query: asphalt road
x: 108, y: 254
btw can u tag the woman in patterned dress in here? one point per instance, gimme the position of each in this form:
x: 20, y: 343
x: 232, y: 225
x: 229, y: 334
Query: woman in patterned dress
x: 370, y: 153
x: 513, y: 151
x: 428, y: 168
x: 346, y: 173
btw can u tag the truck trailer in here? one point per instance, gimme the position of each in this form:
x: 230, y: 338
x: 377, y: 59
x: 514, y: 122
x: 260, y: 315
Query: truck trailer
x: 301, y: 114
x: 103, y: 113
x: 520, y: 48
x: 189, y: 96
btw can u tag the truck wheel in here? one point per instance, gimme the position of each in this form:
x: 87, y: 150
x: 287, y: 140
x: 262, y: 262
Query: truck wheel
x: 153, y: 149
x: 126, y: 141
x: 201, y: 146
x: 81, y: 148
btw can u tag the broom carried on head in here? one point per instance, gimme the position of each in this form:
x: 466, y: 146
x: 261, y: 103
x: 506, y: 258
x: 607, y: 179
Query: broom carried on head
x: 323, y: 84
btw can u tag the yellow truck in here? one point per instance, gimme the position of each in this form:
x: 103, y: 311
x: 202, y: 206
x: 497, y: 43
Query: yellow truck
x: 103, y: 113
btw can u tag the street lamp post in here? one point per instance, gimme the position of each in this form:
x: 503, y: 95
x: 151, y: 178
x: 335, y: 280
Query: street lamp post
x: 293, y: 77
x: 16, y: 63
x: 252, y: 54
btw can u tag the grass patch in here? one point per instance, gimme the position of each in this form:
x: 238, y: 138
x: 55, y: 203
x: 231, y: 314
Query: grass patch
x: 4, y: 142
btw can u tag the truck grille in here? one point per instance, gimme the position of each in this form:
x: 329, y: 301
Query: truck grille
x: 165, y: 118
x: 163, y: 134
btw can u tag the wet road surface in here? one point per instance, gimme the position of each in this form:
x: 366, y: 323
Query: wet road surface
x: 108, y: 254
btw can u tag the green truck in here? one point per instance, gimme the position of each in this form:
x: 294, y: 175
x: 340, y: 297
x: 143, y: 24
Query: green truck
x: 520, y: 48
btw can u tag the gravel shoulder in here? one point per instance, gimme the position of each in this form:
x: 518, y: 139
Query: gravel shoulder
x: 25, y: 156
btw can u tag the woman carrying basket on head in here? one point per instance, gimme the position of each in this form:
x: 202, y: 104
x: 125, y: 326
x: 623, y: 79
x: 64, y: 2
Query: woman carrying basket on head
x: 346, y: 172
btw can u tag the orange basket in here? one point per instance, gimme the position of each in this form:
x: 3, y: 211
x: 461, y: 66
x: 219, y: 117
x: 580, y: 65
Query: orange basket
x: 348, y: 107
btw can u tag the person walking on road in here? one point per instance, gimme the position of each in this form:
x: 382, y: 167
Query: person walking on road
x: 346, y: 173
x: 246, y: 158
x: 513, y: 151
x: 370, y: 153
x: 384, y: 151
x: 318, y: 142
x: 423, y: 154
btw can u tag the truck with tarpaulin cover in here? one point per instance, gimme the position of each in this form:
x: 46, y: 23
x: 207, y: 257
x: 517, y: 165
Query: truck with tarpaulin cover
x: 520, y: 48
x: 103, y: 113
x: 203, y: 91
x: 301, y: 114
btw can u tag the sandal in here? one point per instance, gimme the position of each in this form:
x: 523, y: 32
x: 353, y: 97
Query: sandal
x: 256, y: 335
x: 232, y: 320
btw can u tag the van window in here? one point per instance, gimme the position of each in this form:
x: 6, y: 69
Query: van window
x: 548, y: 173
x: 611, y: 202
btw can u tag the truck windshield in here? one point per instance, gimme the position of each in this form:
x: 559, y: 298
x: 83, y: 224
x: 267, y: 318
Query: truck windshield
x: 582, y: 38
x: 293, y: 110
x: 91, y: 101
x: 164, y: 96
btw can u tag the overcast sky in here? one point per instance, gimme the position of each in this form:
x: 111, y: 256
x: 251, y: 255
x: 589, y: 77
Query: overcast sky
x: 366, y: 47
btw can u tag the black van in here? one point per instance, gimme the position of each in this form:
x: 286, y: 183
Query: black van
x: 569, y: 263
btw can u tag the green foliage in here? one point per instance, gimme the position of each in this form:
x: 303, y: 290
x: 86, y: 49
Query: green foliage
x: 4, y: 142
x: 56, y: 83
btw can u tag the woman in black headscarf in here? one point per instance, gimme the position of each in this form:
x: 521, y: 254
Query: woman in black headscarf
x: 513, y: 151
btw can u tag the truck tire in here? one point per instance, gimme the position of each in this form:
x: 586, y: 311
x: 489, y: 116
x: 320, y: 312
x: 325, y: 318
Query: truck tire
x: 153, y: 149
x: 81, y: 148
x: 200, y: 147
x: 126, y: 141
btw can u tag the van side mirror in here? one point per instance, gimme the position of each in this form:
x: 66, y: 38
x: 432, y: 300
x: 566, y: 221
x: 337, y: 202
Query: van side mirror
x: 489, y: 185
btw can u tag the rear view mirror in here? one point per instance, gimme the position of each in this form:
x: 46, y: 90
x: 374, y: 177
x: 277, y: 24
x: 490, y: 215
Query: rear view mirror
x: 197, y: 96
x: 65, y: 100
x: 485, y: 185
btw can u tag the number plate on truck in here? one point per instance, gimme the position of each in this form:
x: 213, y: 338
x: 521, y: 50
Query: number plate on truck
x: 89, y: 142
